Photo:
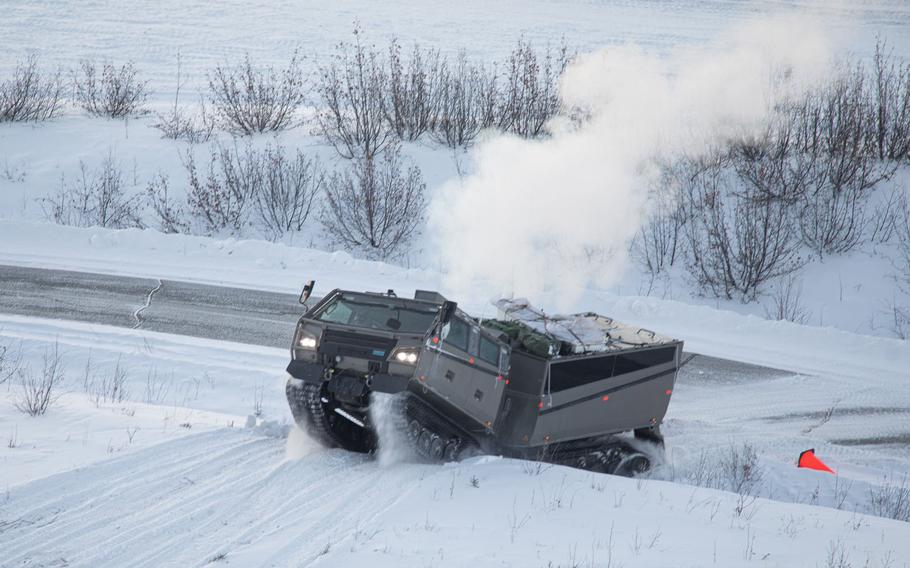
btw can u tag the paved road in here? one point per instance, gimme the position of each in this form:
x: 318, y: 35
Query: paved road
x: 214, y: 312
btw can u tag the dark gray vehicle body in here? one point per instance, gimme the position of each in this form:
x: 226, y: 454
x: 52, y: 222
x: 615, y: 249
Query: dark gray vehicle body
x: 506, y: 400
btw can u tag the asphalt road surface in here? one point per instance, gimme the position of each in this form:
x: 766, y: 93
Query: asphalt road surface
x: 213, y: 312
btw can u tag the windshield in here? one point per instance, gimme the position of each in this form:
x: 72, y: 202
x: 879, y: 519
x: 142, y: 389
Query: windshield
x: 387, y: 314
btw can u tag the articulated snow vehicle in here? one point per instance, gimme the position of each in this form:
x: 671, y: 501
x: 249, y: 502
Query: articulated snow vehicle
x: 560, y: 389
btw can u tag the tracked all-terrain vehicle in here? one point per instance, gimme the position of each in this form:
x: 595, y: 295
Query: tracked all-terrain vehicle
x: 575, y: 390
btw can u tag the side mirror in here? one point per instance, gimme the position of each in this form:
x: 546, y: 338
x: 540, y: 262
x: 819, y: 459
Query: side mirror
x: 307, y: 290
x: 447, y: 312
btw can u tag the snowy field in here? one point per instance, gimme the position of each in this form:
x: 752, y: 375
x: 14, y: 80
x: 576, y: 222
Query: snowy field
x: 193, y: 460
x: 186, y: 476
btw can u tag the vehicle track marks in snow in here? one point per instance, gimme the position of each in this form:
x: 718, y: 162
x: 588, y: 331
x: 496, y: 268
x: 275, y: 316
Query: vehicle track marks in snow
x: 137, y: 315
x: 182, y: 503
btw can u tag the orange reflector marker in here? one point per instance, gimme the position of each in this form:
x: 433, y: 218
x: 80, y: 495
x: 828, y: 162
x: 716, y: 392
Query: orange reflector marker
x: 669, y: 392
x: 435, y: 340
x: 471, y: 360
x: 540, y: 405
x: 605, y: 398
x: 499, y: 377
x: 808, y: 460
x: 507, y: 381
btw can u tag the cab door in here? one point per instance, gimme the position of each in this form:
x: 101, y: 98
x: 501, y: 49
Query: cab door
x: 487, y: 385
x: 445, y: 368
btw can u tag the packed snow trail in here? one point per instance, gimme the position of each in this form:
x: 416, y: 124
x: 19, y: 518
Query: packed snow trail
x: 231, y: 496
x: 187, y: 502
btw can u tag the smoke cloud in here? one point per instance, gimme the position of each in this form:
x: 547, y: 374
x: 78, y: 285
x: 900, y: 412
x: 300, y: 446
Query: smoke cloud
x: 557, y: 215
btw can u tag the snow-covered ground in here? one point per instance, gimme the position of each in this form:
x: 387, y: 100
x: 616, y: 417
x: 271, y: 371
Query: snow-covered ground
x: 175, y: 474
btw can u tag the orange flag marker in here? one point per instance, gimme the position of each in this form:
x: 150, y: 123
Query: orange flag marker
x: 808, y: 460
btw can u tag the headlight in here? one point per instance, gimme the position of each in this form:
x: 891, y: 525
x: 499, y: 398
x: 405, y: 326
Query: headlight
x: 407, y: 356
x: 307, y: 341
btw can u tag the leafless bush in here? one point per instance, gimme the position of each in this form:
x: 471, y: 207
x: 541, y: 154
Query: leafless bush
x: 740, y: 471
x: 247, y: 100
x: 37, y: 392
x: 738, y: 239
x: 891, y: 96
x: 891, y: 499
x: 30, y: 95
x: 837, y: 555
x: 95, y: 199
x: 531, y: 90
x: 412, y: 103
x: 172, y: 217
x: 374, y: 206
x: 658, y: 241
x: 352, y: 89
x: 835, y: 133
x: 218, y: 199
x: 106, y: 387
x: 288, y: 187
x: 469, y: 100
x: 156, y: 388
x: 786, y: 301
x: 107, y: 90
x: 10, y: 360
x: 179, y: 123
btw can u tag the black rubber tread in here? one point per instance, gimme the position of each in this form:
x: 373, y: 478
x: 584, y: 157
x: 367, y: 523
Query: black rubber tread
x: 455, y: 443
x: 326, y: 425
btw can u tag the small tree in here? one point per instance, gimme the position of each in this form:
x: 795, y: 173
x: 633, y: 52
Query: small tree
x: 737, y: 239
x: 219, y: 199
x: 531, y: 94
x: 289, y: 186
x: 95, y: 199
x: 30, y: 95
x: 171, y: 215
x: 106, y: 90
x: 412, y: 105
x: 468, y: 103
x: 179, y: 123
x: 39, y: 390
x: 352, y: 89
x: 247, y: 100
x: 373, y: 206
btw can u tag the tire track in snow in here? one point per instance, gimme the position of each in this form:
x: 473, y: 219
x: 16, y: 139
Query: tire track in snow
x: 182, y: 503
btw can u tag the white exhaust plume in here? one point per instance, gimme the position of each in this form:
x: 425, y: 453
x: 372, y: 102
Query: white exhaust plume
x: 557, y: 215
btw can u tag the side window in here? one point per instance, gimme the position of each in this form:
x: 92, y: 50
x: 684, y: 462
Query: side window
x: 472, y: 342
x: 489, y: 351
x: 458, y: 334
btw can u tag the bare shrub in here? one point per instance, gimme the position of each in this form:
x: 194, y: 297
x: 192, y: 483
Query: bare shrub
x: 740, y: 470
x: 246, y: 99
x: 179, y: 123
x: 38, y: 390
x: 352, y: 89
x: 95, y: 199
x: 172, y: 217
x: 891, y: 499
x: 845, y: 169
x: 531, y: 90
x: 891, y: 97
x: 107, y: 387
x: 288, y: 186
x: 218, y: 199
x: 10, y: 361
x: 156, y: 388
x: 468, y: 102
x: 30, y: 95
x: 658, y: 240
x: 374, y: 206
x: 786, y: 301
x: 412, y: 103
x: 738, y: 239
x: 103, y: 89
